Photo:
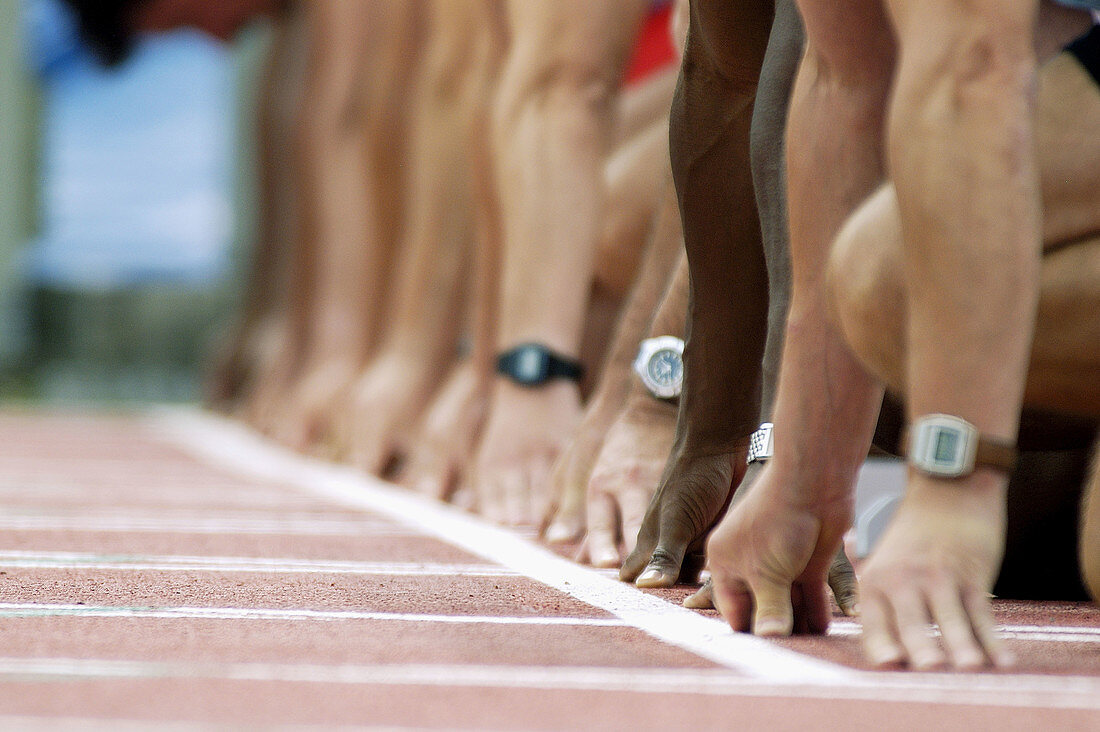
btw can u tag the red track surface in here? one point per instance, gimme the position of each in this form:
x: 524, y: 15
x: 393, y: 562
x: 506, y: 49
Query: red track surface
x: 173, y: 570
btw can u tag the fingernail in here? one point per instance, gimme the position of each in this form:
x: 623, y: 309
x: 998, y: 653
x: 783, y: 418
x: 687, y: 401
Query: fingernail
x: 927, y: 660
x: 649, y: 575
x: 854, y: 610
x: 606, y: 559
x: 558, y: 533
x: 770, y: 626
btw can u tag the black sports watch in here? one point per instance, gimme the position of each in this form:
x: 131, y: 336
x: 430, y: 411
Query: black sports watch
x: 533, y: 364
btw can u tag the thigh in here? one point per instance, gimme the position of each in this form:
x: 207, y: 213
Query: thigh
x: 1065, y: 360
x: 1068, y: 142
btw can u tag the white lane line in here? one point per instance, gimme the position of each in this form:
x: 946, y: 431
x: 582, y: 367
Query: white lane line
x: 73, y: 560
x: 1020, y: 692
x: 35, y: 610
x: 1030, y: 633
x: 232, y: 446
x: 219, y: 441
x: 169, y: 525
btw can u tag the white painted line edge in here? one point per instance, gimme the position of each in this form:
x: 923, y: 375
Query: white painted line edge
x: 37, y: 610
x: 222, y: 442
x: 1058, y: 693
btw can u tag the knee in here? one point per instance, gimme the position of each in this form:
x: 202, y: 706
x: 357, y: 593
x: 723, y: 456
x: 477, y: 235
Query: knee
x: 864, y: 287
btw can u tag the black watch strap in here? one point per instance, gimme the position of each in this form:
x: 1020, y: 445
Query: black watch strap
x: 533, y: 364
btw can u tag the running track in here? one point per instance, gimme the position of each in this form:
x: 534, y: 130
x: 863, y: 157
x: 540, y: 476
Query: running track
x: 171, y: 570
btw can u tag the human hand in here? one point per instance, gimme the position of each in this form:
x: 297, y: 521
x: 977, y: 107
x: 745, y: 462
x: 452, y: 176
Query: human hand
x: 625, y: 478
x: 841, y: 578
x: 276, y: 367
x: 769, y: 556
x: 936, y: 563
x: 447, y: 435
x: 693, y: 495
x: 571, y: 471
x: 526, y: 430
x: 385, y: 402
x: 304, y: 424
x: 228, y: 366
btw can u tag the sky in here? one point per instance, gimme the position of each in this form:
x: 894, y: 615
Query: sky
x: 135, y: 162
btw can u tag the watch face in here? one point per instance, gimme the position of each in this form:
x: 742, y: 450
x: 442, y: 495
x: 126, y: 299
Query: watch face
x: 666, y: 368
x: 530, y: 366
x: 943, y: 445
x: 947, y: 447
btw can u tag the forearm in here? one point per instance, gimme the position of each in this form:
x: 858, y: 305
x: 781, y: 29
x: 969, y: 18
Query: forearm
x: 769, y: 178
x: 669, y: 319
x: 826, y: 404
x: 487, y: 247
x: 433, y: 266
x: 551, y: 133
x: 729, y: 297
x: 644, y: 103
x: 636, y: 175
x: 332, y: 144
x: 657, y: 306
x: 973, y: 228
x: 552, y: 204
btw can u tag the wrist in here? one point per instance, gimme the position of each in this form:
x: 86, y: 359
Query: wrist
x: 640, y: 401
x: 532, y: 365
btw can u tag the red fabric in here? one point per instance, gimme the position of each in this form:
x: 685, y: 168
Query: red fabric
x: 653, y: 50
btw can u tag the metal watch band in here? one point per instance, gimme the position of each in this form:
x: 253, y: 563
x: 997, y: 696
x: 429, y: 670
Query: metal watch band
x: 760, y: 444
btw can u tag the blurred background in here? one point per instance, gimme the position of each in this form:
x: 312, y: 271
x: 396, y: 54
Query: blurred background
x: 126, y: 204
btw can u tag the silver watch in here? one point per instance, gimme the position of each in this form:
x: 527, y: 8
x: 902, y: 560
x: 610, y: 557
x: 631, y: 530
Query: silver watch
x: 760, y: 444
x: 660, y: 366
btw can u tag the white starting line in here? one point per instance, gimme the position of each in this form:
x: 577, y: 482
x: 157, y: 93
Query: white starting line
x: 761, y: 665
x: 153, y: 524
x: 231, y: 446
